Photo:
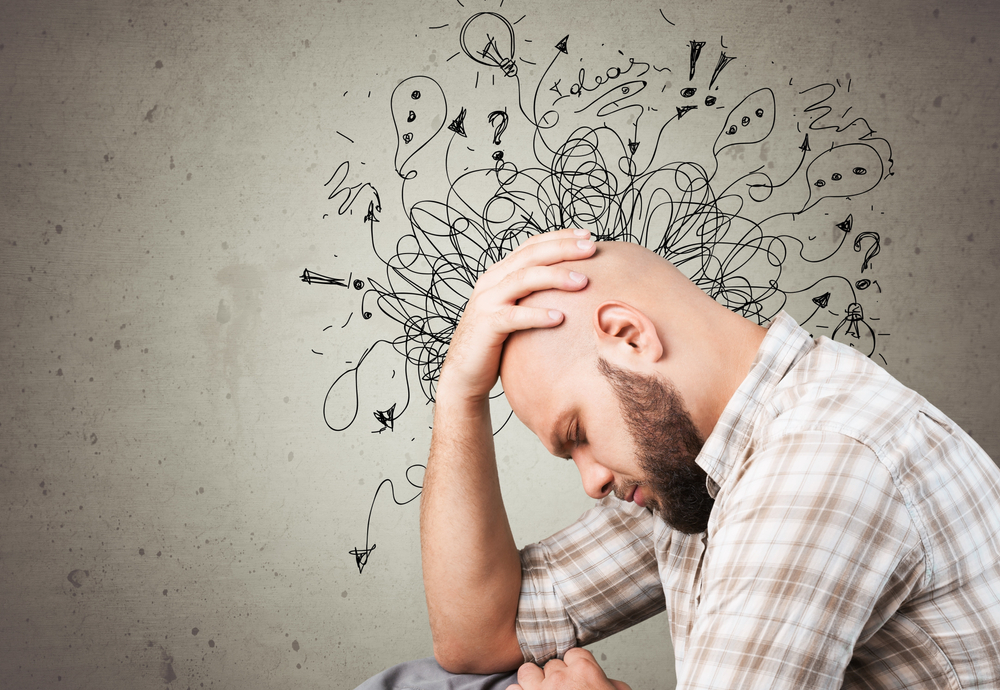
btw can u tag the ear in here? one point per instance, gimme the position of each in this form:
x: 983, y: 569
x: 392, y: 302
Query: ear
x: 624, y: 333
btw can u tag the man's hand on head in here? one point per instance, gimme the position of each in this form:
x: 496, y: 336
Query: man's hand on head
x: 578, y: 670
x: 492, y: 313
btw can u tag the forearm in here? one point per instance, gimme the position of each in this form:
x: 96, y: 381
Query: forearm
x: 471, y: 566
x: 472, y: 570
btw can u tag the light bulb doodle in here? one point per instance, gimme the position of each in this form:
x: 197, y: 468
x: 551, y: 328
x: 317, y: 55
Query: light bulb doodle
x: 584, y: 168
x: 491, y: 38
x: 855, y: 331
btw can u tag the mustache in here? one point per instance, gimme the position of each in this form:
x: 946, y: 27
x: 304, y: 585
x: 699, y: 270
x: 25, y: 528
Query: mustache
x: 621, y: 490
x: 649, y: 496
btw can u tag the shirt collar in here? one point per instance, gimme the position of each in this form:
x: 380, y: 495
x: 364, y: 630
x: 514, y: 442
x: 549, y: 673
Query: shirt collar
x: 785, y: 343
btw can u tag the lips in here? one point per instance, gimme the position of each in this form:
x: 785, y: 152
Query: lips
x: 637, y: 497
x: 634, y: 495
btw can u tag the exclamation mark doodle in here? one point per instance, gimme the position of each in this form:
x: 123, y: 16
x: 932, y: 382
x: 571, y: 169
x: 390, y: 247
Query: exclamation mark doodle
x: 696, y: 47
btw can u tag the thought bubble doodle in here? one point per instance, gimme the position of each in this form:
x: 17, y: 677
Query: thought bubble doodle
x: 749, y: 122
x: 847, y: 170
x: 419, y: 109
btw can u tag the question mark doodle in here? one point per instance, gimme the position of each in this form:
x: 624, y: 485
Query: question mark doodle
x: 501, y: 127
x: 872, y: 250
x: 498, y: 119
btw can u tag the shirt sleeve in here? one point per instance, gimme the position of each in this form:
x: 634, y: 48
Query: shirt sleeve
x: 594, y: 578
x: 803, y: 545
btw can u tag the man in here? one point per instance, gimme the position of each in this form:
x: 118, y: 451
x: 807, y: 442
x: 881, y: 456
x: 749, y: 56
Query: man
x: 807, y: 521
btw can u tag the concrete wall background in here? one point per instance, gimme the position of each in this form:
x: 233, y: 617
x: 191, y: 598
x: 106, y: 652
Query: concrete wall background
x: 173, y: 511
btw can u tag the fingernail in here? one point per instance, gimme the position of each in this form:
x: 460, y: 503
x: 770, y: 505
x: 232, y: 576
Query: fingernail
x: 584, y: 244
x: 577, y: 277
x: 580, y: 232
x: 555, y: 315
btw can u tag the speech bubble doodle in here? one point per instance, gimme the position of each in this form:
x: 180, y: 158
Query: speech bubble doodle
x: 847, y: 170
x: 749, y: 122
x: 379, y: 386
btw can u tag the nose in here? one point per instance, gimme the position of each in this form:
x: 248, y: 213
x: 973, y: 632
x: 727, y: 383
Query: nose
x: 598, y: 481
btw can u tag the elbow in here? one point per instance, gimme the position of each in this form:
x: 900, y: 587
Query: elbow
x: 459, y: 656
x: 453, y: 661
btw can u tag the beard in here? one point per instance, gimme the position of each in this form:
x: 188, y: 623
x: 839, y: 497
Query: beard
x: 667, y: 443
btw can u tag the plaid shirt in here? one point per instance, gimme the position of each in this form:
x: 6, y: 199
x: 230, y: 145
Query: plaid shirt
x: 854, y: 542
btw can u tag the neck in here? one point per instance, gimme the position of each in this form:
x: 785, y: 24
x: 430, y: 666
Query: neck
x: 725, y: 361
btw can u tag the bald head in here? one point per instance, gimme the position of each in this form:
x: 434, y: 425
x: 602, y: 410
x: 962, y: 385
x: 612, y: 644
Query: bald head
x: 617, y: 272
x: 639, y: 313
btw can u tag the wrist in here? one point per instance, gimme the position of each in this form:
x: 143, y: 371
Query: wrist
x: 452, y: 391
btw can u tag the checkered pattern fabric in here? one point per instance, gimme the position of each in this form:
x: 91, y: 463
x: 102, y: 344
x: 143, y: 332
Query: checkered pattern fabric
x: 854, y: 542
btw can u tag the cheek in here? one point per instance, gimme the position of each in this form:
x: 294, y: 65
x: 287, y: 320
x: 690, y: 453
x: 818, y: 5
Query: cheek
x: 611, y: 443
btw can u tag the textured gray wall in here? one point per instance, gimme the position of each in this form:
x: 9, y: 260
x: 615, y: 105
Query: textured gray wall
x: 173, y: 510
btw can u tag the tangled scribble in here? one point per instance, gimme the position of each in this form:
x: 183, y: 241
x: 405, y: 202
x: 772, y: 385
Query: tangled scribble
x: 612, y: 153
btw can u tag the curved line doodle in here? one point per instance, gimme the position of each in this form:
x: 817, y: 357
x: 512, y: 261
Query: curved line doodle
x: 603, y: 153
x: 361, y: 555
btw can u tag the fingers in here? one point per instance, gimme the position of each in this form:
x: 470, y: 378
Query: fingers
x: 493, y: 312
x: 578, y: 668
x: 583, y: 664
x: 524, y: 281
x: 517, y: 318
x: 539, y: 255
x: 553, y: 665
x: 568, y: 233
x: 579, y: 654
x: 552, y: 250
x: 546, y: 249
x: 529, y: 676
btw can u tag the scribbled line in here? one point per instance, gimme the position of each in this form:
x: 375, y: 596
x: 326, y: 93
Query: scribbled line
x: 665, y: 19
x: 346, y: 137
x: 313, y: 278
x: 603, y: 157
x: 592, y: 177
x: 361, y: 555
x: 385, y: 417
x: 347, y: 194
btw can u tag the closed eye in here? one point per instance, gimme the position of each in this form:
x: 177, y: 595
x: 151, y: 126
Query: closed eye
x: 576, y: 436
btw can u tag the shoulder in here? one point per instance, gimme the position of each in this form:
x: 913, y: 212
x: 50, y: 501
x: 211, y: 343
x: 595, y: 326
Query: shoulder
x: 836, y: 390
x: 811, y: 479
